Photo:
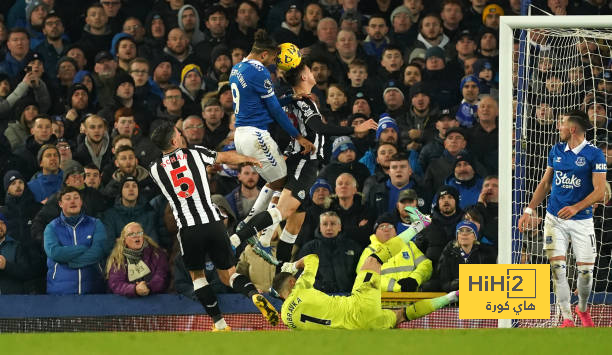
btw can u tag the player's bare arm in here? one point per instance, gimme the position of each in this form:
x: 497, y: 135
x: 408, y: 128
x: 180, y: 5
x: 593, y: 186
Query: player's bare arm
x: 306, y: 144
x: 539, y: 195
x: 231, y: 157
x: 599, y: 189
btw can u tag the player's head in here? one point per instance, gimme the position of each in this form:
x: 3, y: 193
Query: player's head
x: 264, y: 48
x: 574, y: 122
x: 167, y: 137
x: 300, y: 76
x: 282, y: 285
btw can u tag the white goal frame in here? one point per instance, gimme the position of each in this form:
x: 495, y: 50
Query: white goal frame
x: 506, y: 27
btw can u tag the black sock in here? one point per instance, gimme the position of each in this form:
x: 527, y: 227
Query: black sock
x: 243, y: 285
x: 283, y: 252
x: 208, y: 299
x: 259, y: 222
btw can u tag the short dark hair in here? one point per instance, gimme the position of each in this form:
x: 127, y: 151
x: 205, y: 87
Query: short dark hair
x: 171, y: 87
x: 580, y: 118
x: 91, y: 166
x: 66, y: 190
x: 490, y: 177
x: 392, y: 47
x: 400, y: 157
x: 18, y: 30
x: 215, y: 9
x: 43, y: 116
x: 475, y: 214
x: 380, y: 144
x: 118, y: 138
x: 51, y: 15
x: 162, y: 136
x: 279, y: 281
x: 124, y: 148
x: 378, y: 15
x: 292, y: 76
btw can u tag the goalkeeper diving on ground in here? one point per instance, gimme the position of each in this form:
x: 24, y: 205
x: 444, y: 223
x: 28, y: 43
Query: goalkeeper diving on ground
x: 307, y: 308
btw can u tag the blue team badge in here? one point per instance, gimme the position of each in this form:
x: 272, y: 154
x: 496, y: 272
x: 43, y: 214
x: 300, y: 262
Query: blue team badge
x: 549, y: 239
x: 580, y: 161
x: 406, y: 255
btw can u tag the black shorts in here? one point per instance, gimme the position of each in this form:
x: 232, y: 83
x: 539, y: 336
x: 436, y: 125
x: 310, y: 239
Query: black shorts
x: 301, y: 175
x: 206, y: 239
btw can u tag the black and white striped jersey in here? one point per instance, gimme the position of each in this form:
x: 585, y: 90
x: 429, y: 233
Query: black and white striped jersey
x: 181, y: 176
x: 300, y: 112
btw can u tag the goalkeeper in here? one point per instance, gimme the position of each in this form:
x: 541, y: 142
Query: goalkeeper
x: 308, y: 308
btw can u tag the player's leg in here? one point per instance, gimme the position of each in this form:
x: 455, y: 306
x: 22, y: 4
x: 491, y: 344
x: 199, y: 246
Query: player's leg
x: 424, y: 307
x: 223, y: 258
x: 583, y: 244
x: 208, y: 299
x: 555, y: 245
x: 288, y: 236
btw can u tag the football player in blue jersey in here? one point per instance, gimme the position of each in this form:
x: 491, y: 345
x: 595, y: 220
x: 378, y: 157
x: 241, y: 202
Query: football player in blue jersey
x: 255, y: 107
x: 575, y: 176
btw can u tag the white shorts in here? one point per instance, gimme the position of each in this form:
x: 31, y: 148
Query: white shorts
x: 258, y: 143
x: 559, y: 232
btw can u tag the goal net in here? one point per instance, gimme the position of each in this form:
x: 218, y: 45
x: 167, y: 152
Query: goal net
x: 549, y: 66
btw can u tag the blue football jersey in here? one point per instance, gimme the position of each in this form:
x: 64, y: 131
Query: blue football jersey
x: 255, y: 103
x: 572, y: 179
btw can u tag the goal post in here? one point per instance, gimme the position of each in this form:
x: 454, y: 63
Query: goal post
x: 517, y: 185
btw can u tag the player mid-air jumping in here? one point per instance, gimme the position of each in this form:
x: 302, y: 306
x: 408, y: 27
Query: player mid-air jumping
x: 576, y: 179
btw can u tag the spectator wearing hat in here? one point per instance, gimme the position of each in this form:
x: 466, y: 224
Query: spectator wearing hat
x: 15, y: 264
x: 97, y: 34
x: 76, y: 109
x: 484, y: 139
x: 465, y: 249
x: 19, y: 206
x: 593, y: 7
x: 219, y: 69
x: 464, y: 50
x: 422, y: 114
x: 123, y: 48
x: 26, y: 110
x: 490, y: 16
x: 387, y: 132
x: 86, y: 78
x: 189, y: 21
x: 377, y: 41
x: 49, y: 180
x: 488, y: 46
x: 18, y: 45
x: 292, y: 28
x: 124, y: 97
x: 405, y: 271
x: 407, y: 198
x: 344, y: 160
x: 216, y: 123
x: 465, y: 180
x: 54, y: 44
x: 394, y: 100
x: 192, y: 86
x: 435, y: 147
x: 66, y: 70
x: 216, y: 22
x: 417, y: 57
x: 445, y: 214
x: 350, y: 205
x: 444, y: 83
x: 451, y: 14
x: 472, y: 17
x: 403, y: 32
x: 41, y: 135
x: 74, y: 243
x: 319, y: 193
x: 130, y: 207
x: 155, y: 38
x: 127, y: 165
x: 242, y: 198
x: 383, y: 197
x: 338, y: 255
x: 483, y: 69
x: 94, y: 203
x: 466, y: 112
x: 595, y: 107
x: 105, y: 77
x: 179, y: 53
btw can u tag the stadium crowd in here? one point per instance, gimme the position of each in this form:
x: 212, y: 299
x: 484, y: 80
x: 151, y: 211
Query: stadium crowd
x: 83, y: 84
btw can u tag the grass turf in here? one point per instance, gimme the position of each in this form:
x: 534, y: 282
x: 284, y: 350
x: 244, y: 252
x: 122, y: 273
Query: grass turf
x: 434, y: 341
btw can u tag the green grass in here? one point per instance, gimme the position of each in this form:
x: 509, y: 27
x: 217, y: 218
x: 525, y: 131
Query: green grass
x: 391, y: 342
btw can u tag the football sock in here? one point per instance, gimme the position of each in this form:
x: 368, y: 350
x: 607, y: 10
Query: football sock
x: 561, y: 287
x: 585, y: 283
x: 388, y: 249
x: 205, y: 294
x: 266, y: 236
x: 420, y: 309
x: 242, y: 284
x: 262, y: 201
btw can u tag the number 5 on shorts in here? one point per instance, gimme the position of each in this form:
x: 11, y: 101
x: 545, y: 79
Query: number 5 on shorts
x: 176, y: 181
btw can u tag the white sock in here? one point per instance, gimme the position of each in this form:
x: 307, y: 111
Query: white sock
x: 266, y: 236
x: 288, y: 237
x: 199, y: 283
x: 220, y: 324
x: 561, y: 287
x: 585, y: 283
x: 263, y: 199
x: 452, y: 297
x: 235, y: 240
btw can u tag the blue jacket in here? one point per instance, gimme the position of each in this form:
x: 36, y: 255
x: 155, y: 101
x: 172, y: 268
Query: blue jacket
x: 11, y: 66
x: 369, y: 160
x: 75, y: 251
x: 468, y: 190
x: 43, y: 186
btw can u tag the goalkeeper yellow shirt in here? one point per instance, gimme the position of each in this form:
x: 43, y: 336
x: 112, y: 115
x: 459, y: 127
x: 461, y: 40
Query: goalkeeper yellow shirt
x: 308, y: 308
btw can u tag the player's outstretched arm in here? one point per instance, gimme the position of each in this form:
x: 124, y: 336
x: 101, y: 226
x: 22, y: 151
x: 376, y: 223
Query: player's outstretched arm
x: 231, y: 157
x: 538, y: 196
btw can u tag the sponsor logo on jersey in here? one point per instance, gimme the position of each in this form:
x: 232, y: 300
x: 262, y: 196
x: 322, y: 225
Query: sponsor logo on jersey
x: 580, y: 161
x: 561, y: 179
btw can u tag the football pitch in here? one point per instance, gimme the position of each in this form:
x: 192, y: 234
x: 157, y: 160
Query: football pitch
x: 396, y: 342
